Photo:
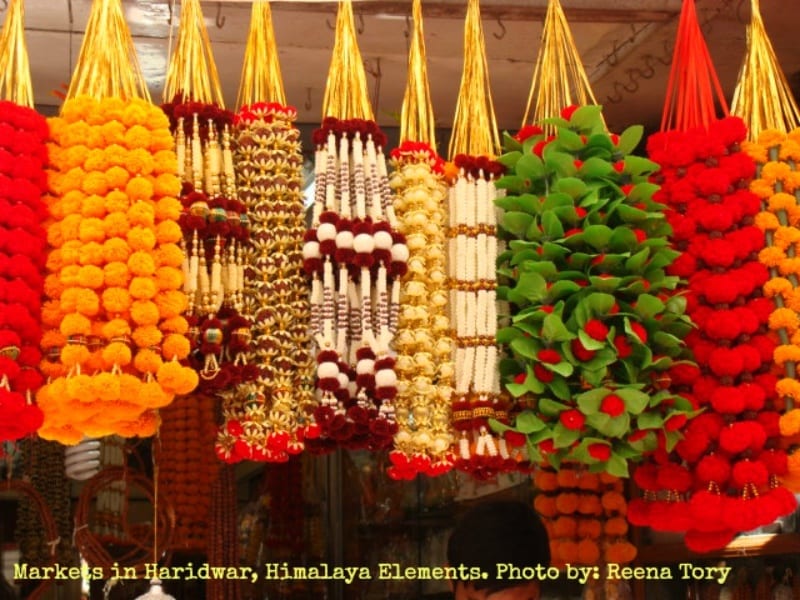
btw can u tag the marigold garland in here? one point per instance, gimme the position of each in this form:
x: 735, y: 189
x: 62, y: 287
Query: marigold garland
x: 23, y: 156
x: 584, y: 514
x: 722, y: 477
x: 776, y: 185
x: 116, y: 316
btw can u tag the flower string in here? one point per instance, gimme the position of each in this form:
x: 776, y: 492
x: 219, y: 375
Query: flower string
x: 267, y: 421
x: 23, y: 180
x: 777, y: 184
x: 425, y: 366
x: 354, y: 256
x: 115, y: 305
x: 722, y: 477
x: 584, y: 514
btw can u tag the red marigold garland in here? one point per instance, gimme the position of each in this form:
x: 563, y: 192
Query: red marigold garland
x: 23, y: 156
x: 722, y: 477
x: 777, y: 184
x: 584, y: 514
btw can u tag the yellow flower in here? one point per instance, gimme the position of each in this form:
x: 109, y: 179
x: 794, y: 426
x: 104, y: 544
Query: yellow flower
x: 784, y: 318
x: 788, y: 388
x: 785, y: 236
x: 766, y: 221
x: 762, y: 188
x: 758, y: 153
x: 792, y: 183
x: 794, y: 135
x: 792, y: 300
x: 786, y: 353
x: 777, y: 285
x: 789, y: 266
x: 771, y: 137
x: 790, y: 422
x: 781, y: 201
x: 771, y: 256
x: 790, y: 150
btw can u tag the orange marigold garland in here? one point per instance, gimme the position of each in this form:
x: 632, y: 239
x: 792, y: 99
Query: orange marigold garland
x: 777, y: 184
x: 114, y: 282
x: 584, y: 514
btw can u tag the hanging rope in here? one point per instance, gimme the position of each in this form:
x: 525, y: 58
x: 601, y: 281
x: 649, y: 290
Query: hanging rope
x: 693, y: 87
x: 416, y: 117
x: 192, y: 71
x: 559, y: 78
x: 475, y: 127
x: 107, y: 65
x: 763, y: 98
x: 261, y: 75
x: 15, y: 69
x: 346, y: 95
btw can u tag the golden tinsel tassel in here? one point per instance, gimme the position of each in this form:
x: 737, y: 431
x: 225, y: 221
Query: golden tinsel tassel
x: 261, y: 75
x: 416, y: 117
x: 475, y: 127
x: 15, y: 68
x: 763, y: 98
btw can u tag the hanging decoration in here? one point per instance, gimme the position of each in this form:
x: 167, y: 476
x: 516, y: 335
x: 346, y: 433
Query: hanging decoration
x: 268, y: 420
x: 223, y: 549
x: 23, y: 156
x: 589, y: 332
x: 472, y: 249
x: 765, y: 102
x: 425, y: 368
x: 114, y: 304
x: 354, y: 256
x: 721, y: 478
x: 215, y: 224
x: 584, y: 514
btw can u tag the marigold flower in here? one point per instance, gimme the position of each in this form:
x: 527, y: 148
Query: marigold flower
x: 777, y: 286
x: 790, y: 422
x: 771, y: 256
x: 761, y: 188
x: 771, y: 137
x: 788, y: 388
x: 781, y: 201
x: 784, y: 318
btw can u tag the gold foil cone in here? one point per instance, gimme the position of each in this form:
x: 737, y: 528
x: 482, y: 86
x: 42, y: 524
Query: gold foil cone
x: 15, y: 68
x: 416, y: 117
x: 261, y: 74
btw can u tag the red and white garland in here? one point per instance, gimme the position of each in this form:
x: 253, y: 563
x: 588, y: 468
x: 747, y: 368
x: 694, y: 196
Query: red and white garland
x: 354, y: 256
x: 23, y: 156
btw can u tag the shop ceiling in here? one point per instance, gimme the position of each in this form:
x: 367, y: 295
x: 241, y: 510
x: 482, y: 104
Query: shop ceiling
x: 625, y: 45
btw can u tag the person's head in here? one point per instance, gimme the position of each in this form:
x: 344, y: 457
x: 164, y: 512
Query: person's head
x: 494, y: 538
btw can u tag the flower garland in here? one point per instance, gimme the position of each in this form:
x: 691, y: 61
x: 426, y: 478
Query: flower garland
x: 115, y: 304
x: 590, y: 332
x: 584, y: 514
x: 23, y: 156
x: 722, y: 478
x: 425, y: 366
x: 472, y: 250
x: 354, y: 255
x: 267, y: 423
x: 777, y: 184
x: 215, y: 232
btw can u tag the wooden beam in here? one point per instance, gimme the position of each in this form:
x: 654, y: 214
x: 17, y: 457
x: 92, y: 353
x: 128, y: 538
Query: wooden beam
x: 516, y: 12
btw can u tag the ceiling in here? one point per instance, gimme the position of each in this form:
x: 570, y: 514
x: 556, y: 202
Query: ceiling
x: 625, y: 46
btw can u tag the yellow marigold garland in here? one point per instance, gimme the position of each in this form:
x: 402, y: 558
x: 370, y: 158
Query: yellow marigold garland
x: 114, y: 300
x: 778, y: 186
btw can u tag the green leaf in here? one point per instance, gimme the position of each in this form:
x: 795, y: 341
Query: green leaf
x: 649, y: 420
x: 635, y: 401
x: 525, y: 347
x: 518, y: 258
x: 622, y: 240
x: 551, y: 408
x: 516, y: 389
x: 637, y: 261
x: 554, y: 330
x: 676, y: 305
x: 562, y: 288
x: 530, y: 166
x: 510, y: 142
x: 587, y: 118
x: 597, y: 236
x: 630, y: 138
x: 589, y: 402
x: 527, y: 422
x: 618, y: 427
x: 666, y: 340
x: 509, y: 159
x: 599, y: 303
x: 563, y: 437
x: 617, y: 466
x: 516, y: 223
x: 552, y: 225
x: 513, y: 184
x: 560, y: 389
x: 594, y: 377
x: 569, y: 140
x: 572, y: 186
x: 531, y: 286
x: 648, y: 306
x: 498, y: 426
x: 556, y: 122
x: 588, y: 342
x: 636, y: 166
x: 545, y: 268
x: 630, y: 214
x: 563, y: 368
x: 597, y: 420
x: 643, y: 192
x: 506, y: 334
x: 595, y: 168
x: 560, y: 162
x: 605, y: 284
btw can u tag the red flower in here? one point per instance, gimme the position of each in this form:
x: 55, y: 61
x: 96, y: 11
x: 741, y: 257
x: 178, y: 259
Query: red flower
x: 547, y: 446
x: 626, y: 189
x: 612, y: 405
x: 515, y: 439
x: 546, y: 308
x: 572, y: 419
x: 638, y: 435
x: 568, y: 112
x: 580, y: 352
x: 675, y: 422
x: 596, y: 330
x: 578, y: 163
x: 641, y: 236
x: 580, y: 211
x: 600, y: 452
x: 640, y: 332
x: 614, y: 138
x: 549, y: 356
x: 539, y: 147
x: 619, y: 166
x: 520, y: 377
x: 528, y: 131
x: 543, y: 374
x: 624, y: 349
